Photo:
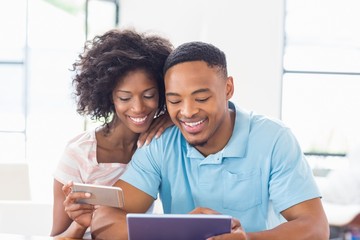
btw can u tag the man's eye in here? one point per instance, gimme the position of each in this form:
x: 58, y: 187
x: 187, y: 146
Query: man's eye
x: 202, y: 99
x: 173, y: 102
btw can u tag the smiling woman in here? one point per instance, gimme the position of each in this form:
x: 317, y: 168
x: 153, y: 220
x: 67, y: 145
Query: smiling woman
x: 118, y: 78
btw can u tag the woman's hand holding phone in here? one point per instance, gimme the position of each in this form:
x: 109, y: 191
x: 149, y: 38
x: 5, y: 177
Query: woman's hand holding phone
x: 78, y: 212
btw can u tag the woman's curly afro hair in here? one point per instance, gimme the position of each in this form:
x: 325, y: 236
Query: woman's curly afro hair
x: 109, y: 57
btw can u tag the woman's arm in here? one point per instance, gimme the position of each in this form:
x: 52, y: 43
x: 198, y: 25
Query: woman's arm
x: 63, y: 225
x: 61, y: 220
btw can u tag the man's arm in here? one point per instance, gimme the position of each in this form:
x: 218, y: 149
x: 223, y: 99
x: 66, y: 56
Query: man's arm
x: 110, y: 223
x: 306, y: 220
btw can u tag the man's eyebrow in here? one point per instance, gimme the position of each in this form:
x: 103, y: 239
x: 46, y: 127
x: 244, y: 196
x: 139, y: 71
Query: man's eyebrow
x: 202, y: 90
x: 171, y: 94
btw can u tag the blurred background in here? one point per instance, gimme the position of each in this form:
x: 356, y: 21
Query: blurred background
x: 298, y: 61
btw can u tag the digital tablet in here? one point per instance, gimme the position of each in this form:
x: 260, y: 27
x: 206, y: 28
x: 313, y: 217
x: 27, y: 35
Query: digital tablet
x: 100, y: 195
x: 176, y: 226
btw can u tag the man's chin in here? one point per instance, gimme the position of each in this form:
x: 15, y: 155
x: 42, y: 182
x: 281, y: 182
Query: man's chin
x: 194, y: 139
x: 197, y: 143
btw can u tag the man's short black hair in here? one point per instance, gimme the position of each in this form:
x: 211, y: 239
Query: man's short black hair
x: 197, y: 51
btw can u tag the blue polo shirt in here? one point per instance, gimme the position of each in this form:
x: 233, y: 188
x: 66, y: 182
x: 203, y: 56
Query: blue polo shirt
x: 261, y: 172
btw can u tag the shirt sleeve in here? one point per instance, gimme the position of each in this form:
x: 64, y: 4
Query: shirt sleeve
x: 144, y: 171
x: 67, y: 168
x: 291, y: 179
x: 75, y: 158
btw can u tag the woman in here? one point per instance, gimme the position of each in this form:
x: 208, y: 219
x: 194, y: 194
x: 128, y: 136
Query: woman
x: 118, y: 80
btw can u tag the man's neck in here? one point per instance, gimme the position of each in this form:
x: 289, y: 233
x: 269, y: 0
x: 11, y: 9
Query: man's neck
x: 221, y: 137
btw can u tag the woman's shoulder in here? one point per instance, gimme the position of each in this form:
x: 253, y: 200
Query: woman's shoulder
x: 85, y: 140
x: 85, y: 136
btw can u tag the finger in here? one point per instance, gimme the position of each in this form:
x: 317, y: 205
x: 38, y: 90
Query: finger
x: 235, y: 224
x: 142, y: 139
x: 228, y: 236
x: 67, y: 188
x: 150, y: 136
x: 73, y: 197
x: 79, y: 195
x: 156, y: 128
x: 146, y: 137
x: 160, y: 131
x: 202, y: 210
x: 76, y: 215
x: 79, y: 207
x: 163, y: 124
x: 76, y: 210
x: 77, y: 218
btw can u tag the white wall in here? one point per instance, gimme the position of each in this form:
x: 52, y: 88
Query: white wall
x: 249, y: 32
x: 25, y: 217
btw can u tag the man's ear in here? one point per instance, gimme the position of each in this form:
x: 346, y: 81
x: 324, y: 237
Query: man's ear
x: 229, y: 87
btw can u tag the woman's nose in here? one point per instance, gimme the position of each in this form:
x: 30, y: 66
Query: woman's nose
x: 138, y: 105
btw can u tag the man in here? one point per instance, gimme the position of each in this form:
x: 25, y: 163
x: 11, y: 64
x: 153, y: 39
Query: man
x: 219, y: 159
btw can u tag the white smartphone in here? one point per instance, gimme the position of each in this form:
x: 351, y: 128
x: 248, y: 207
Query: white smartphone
x: 100, y: 195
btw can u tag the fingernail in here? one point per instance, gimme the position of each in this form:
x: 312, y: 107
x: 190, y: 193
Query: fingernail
x: 87, y: 194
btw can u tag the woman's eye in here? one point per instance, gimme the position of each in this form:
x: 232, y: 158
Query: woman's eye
x: 124, y: 99
x: 148, y: 96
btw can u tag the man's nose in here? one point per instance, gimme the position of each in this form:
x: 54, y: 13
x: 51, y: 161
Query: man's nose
x: 188, y: 109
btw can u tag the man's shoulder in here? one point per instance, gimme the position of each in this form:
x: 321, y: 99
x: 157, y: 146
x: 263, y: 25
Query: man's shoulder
x: 268, y: 121
x: 170, y: 136
x: 255, y: 120
x: 171, y: 133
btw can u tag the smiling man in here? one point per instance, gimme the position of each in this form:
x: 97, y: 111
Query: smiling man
x: 219, y: 159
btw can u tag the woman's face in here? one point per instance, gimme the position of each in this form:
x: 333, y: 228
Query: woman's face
x: 136, y: 99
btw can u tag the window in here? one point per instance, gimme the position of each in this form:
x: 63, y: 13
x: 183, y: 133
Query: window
x: 321, y: 81
x: 38, y: 114
x: 12, y: 81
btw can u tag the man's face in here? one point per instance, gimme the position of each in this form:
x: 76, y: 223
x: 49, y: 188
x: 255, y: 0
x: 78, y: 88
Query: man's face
x: 196, y: 98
